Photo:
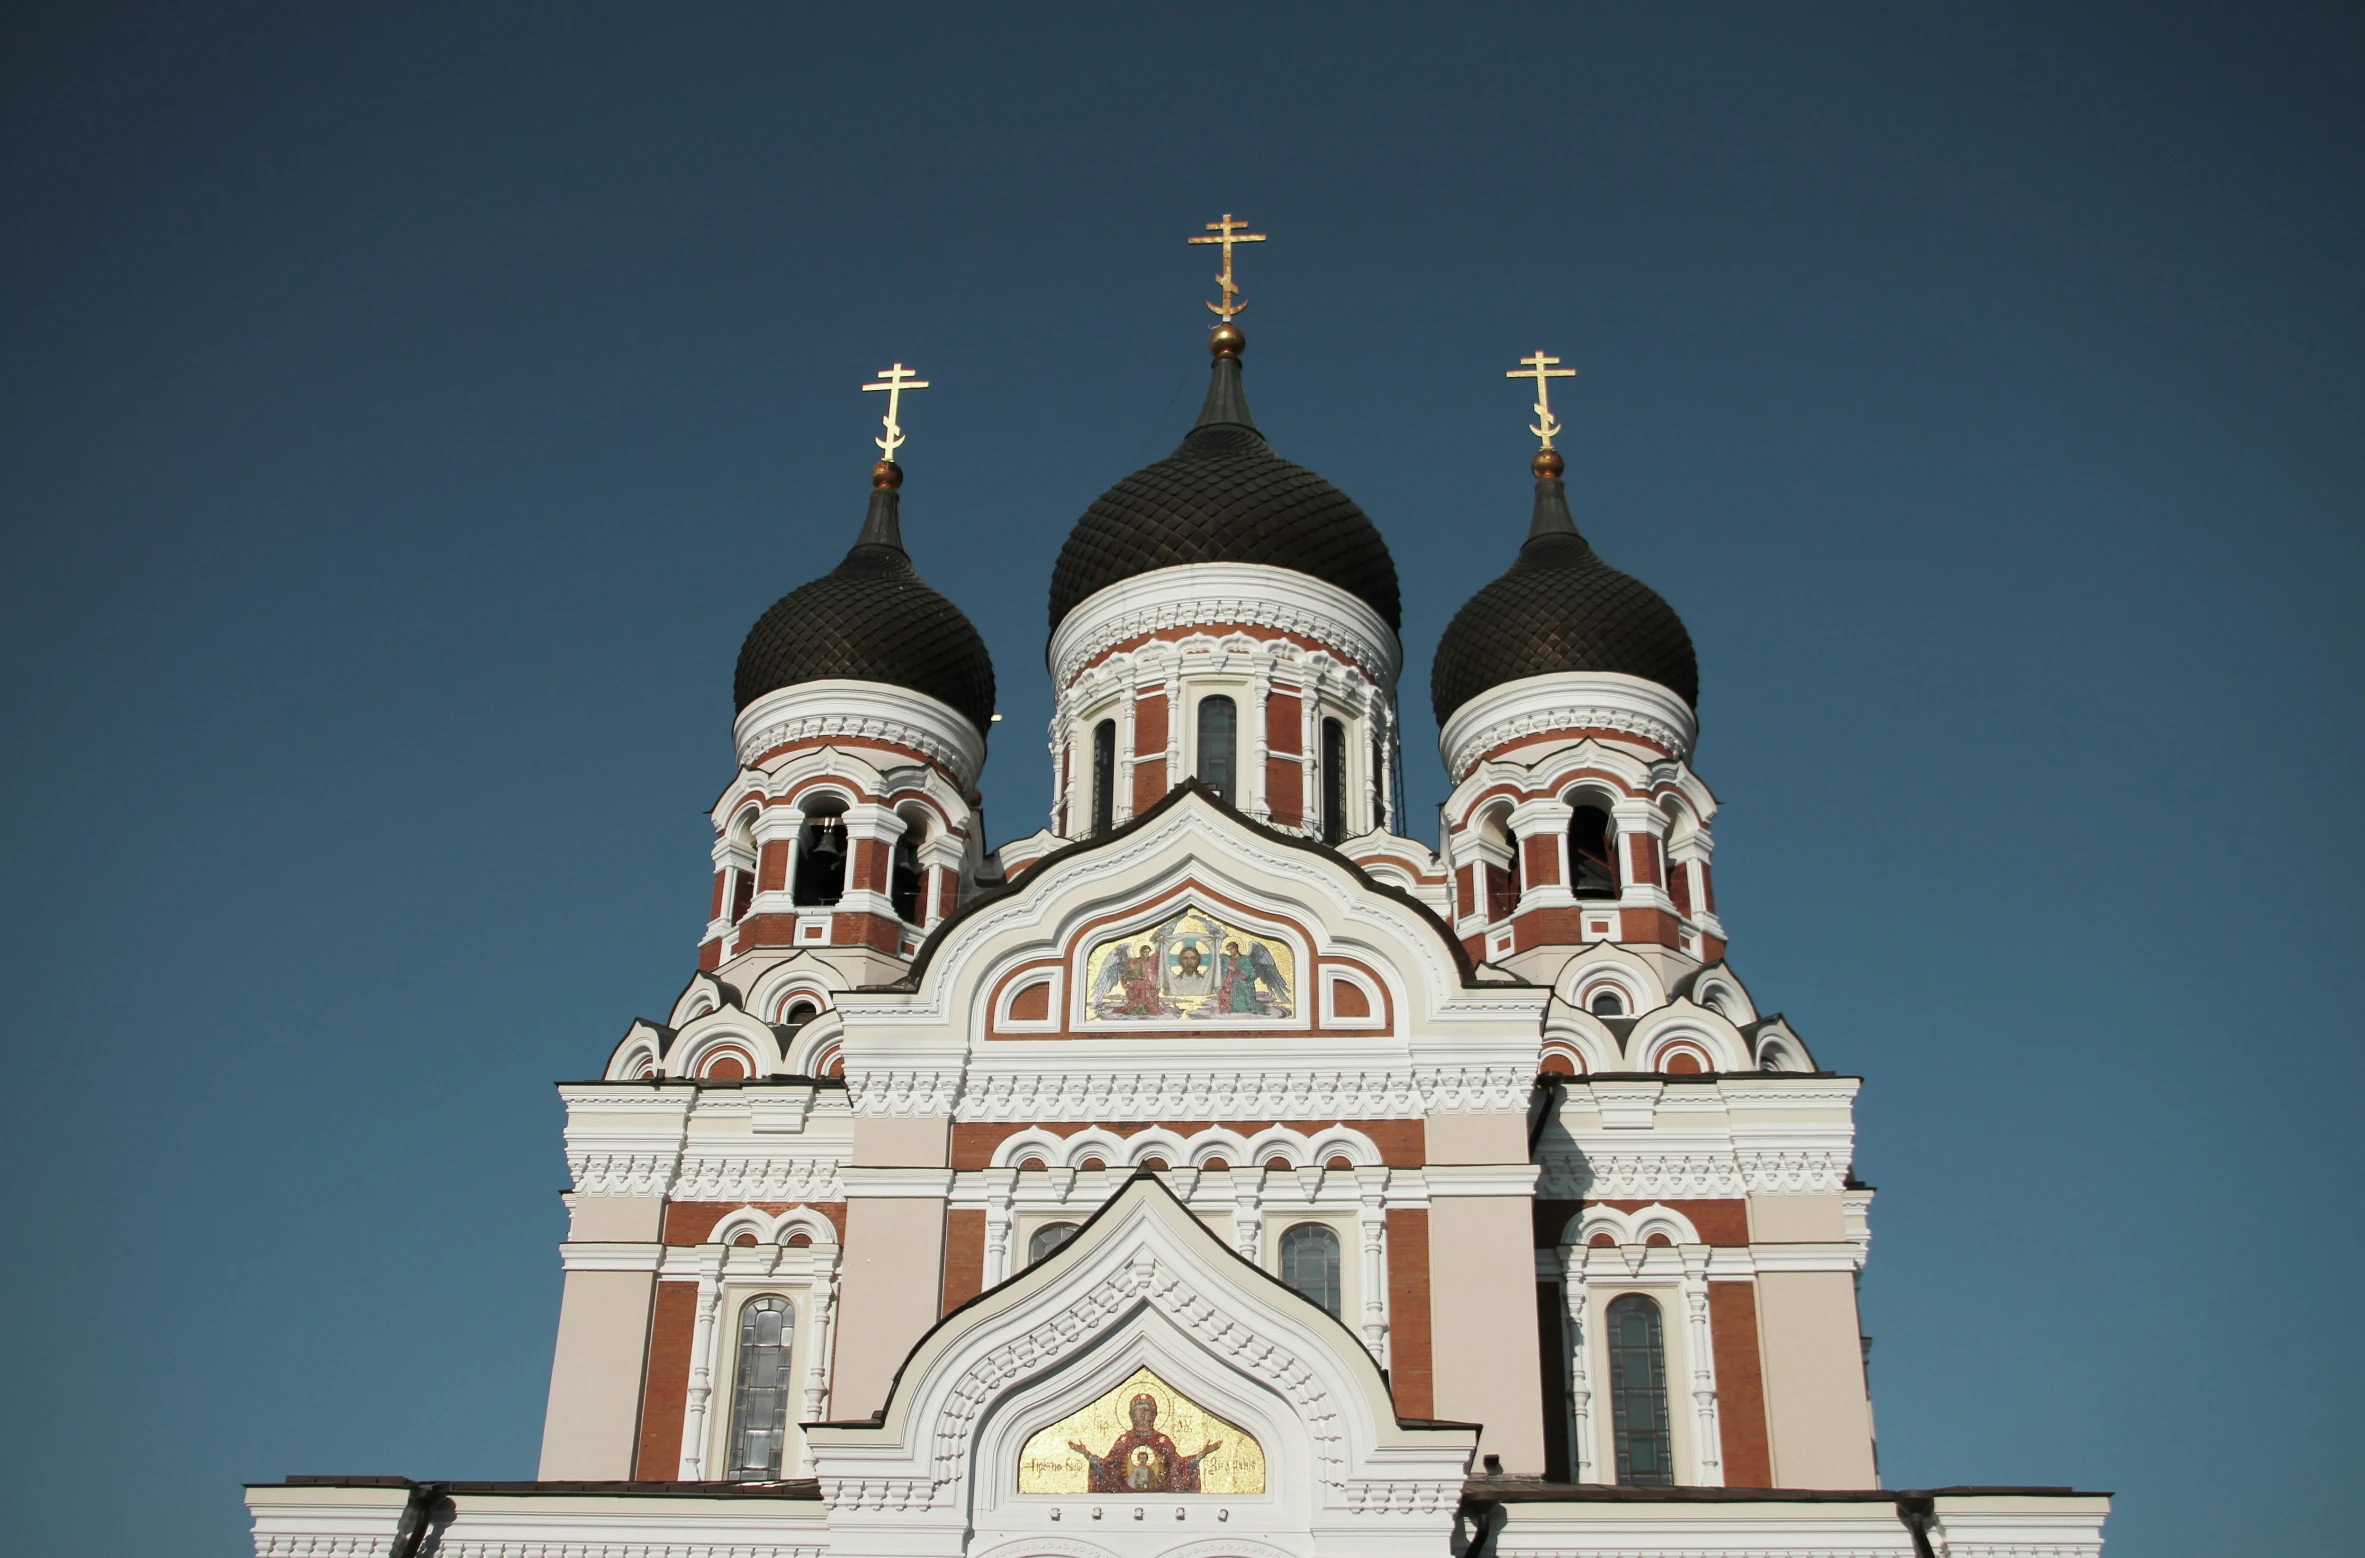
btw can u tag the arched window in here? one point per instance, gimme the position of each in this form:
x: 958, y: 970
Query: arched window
x: 1334, y: 781
x: 1607, y: 1003
x: 1592, y: 853
x: 821, y: 857
x: 1638, y: 1393
x: 1104, y: 777
x: 1310, y: 1263
x: 905, y: 879
x: 1047, y: 1239
x: 1219, y: 746
x: 798, y: 1014
x: 759, y: 1404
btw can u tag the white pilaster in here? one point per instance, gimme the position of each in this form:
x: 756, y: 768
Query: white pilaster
x: 1707, y: 1435
x: 1577, y: 1335
x: 702, y: 1351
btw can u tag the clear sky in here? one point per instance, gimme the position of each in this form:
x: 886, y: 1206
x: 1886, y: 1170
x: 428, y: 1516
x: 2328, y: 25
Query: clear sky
x: 404, y: 411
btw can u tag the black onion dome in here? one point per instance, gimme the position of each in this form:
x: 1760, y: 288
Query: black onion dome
x: 1224, y: 496
x: 1560, y: 608
x: 870, y: 619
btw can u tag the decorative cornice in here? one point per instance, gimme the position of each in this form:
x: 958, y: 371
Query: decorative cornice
x: 1245, y: 594
x: 1566, y: 700
x: 740, y: 1177
x: 1637, y: 1172
x: 843, y: 709
x: 1378, y: 1094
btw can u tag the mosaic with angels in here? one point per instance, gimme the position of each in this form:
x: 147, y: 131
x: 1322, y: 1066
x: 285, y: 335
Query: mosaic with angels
x: 1194, y: 967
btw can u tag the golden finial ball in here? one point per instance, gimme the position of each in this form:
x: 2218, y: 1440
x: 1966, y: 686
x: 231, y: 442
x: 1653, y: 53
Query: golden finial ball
x: 1547, y: 465
x: 1225, y: 340
x: 886, y: 474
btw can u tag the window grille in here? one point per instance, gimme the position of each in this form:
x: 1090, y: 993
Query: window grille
x: 1048, y: 1239
x: 1334, y: 781
x: 1310, y: 1264
x: 759, y: 1405
x: 1219, y: 742
x: 1638, y: 1393
x: 1104, y: 777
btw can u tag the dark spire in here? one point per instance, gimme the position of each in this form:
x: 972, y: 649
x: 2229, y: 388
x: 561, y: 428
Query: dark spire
x: 1227, y: 397
x: 882, y: 526
x: 1551, y: 516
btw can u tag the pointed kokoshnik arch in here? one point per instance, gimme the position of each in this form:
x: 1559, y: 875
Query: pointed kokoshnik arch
x: 1143, y: 1286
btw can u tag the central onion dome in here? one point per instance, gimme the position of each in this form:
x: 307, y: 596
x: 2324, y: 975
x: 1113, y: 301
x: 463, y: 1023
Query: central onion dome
x: 1224, y: 496
x: 871, y: 619
x: 1560, y: 608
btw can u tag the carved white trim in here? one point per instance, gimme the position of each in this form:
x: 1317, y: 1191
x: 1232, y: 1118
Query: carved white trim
x: 1247, y: 594
x: 742, y: 1177
x: 1379, y: 1094
x: 856, y: 710
x: 1566, y: 700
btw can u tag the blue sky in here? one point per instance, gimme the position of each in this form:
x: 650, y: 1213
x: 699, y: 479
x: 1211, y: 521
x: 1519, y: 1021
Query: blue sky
x: 406, y: 412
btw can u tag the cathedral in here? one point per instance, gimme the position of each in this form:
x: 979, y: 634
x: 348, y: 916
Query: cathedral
x: 1215, y: 1172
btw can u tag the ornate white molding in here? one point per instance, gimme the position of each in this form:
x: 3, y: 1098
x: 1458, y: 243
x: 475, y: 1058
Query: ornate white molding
x: 745, y: 1177
x: 1569, y: 700
x: 1246, y: 594
x: 1379, y: 1094
x: 870, y: 711
x: 623, y: 1173
x: 1636, y: 1173
x: 899, y: 1092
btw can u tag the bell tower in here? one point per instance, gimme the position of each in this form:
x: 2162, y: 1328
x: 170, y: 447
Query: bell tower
x: 1565, y: 694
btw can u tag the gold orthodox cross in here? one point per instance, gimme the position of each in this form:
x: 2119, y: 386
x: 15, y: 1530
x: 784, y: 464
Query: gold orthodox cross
x: 1228, y: 232
x: 1542, y: 369
x: 894, y: 381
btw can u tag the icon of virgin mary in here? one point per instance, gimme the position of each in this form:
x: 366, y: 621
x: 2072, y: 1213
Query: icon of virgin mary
x: 1143, y: 1460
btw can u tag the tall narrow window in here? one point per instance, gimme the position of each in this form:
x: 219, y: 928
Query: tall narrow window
x: 1310, y: 1263
x: 821, y: 861
x: 1638, y: 1393
x: 1104, y: 777
x: 1048, y: 1238
x: 1334, y: 781
x: 1592, y: 857
x: 742, y: 893
x: 1219, y: 745
x: 904, y: 876
x: 759, y: 1406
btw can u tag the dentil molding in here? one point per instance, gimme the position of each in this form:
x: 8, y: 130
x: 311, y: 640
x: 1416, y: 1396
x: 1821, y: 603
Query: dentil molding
x: 1206, y: 594
x: 1566, y: 700
x: 855, y: 710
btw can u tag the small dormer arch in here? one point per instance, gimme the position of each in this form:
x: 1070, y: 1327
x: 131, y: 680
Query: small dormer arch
x: 1606, y: 966
x: 1686, y: 1038
x: 1716, y: 988
x: 1217, y: 1147
x: 818, y: 1044
x: 724, y: 1046
x: 1775, y: 1046
x: 640, y: 1054
x: 1580, y: 1041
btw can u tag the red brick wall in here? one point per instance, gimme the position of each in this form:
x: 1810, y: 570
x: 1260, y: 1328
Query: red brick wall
x: 1411, y: 1372
x: 964, y: 1257
x: 1644, y: 859
x: 1281, y: 722
x: 771, y: 872
x: 1740, y: 1385
x: 1543, y: 860
x: 667, y: 1393
x: 716, y: 911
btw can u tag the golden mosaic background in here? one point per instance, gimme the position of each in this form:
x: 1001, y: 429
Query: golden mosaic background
x: 1047, y: 1465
